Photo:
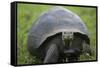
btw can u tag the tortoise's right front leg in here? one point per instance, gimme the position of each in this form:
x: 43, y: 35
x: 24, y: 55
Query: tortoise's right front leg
x: 51, y: 54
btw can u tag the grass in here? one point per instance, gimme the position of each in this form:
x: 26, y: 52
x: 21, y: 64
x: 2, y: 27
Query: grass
x: 28, y: 13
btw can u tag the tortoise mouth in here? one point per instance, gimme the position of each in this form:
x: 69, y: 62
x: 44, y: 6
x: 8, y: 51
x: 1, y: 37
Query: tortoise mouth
x: 71, y: 52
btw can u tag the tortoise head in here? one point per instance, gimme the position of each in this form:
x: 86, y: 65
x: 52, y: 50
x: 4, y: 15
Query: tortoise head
x: 75, y: 44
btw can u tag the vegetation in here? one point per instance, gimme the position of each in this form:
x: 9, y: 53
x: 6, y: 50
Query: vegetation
x: 28, y: 13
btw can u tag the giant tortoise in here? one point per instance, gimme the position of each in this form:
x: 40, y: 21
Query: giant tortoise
x: 58, y: 35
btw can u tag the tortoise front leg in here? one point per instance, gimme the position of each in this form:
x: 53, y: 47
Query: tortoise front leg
x: 51, y: 54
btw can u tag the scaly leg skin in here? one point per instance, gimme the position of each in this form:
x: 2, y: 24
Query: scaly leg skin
x: 52, y: 54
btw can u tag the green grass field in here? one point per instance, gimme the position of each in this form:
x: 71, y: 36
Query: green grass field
x: 28, y: 13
